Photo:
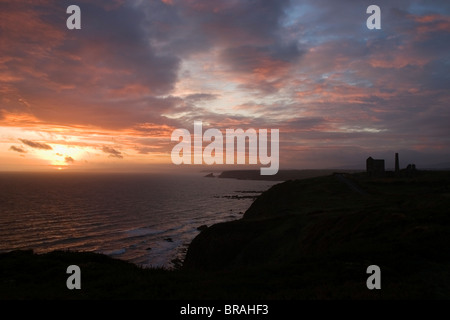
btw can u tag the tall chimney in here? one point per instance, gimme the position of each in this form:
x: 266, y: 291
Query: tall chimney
x: 397, y: 164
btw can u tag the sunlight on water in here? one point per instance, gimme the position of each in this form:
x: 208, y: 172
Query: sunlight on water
x: 145, y: 219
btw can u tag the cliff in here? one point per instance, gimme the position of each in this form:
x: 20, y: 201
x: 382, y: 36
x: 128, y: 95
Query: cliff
x: 320, y: 226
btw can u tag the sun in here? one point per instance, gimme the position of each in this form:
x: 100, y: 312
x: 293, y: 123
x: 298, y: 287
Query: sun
x: 62, y: 156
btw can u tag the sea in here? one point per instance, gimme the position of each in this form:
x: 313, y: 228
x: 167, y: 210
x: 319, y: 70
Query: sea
x: 147, y: 219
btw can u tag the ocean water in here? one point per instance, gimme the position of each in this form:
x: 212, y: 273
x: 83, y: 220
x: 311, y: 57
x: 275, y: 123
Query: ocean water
x: 147, y: 219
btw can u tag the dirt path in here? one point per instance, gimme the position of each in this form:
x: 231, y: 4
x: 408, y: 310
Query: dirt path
x: 341, y: 177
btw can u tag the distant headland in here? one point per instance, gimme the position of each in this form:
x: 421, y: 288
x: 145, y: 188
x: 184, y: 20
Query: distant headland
x: 282, y: 175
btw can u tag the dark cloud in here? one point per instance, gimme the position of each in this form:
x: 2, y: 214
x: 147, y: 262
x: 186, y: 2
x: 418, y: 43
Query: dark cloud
x: 17, y: 149
x: 36, y: 145
x: 117, y: 39
x: 112, y: 152
x: 196, y: 97
x: 147, y: 150
x: 237, y: 22
x: 249, y: 59
x: 250, y: 35
x: 69, y: 160
x: 102, y: 68
x: 305, y: 123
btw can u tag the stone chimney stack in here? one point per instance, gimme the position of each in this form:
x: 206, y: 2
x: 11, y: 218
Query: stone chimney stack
x: 397, y: 164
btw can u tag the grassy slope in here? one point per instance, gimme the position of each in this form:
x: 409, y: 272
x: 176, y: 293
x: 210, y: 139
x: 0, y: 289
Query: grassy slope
x: 319, y: 226
x: 305, y: 239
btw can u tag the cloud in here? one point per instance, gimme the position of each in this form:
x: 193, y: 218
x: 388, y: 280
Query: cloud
x: 261, y: 68
x: 196, y: 97
x: 138, y: 69
x: 17, y: 149
x: 147, y: 150
x: 69, y: 160
x: 112, y: 152
x: 36, y: 145
x: 107, y: 74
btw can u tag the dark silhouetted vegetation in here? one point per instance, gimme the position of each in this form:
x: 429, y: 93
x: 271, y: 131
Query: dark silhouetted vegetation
x: 302, y: 239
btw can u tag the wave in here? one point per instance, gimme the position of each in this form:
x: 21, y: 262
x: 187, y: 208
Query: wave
x: 139, y: 232
x: 115, y: 252
x: 129, y: 217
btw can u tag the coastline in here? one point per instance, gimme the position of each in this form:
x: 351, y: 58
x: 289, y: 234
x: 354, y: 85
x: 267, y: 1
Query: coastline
x: 281, y: 175
x: 148, y: 219
x: 302, y: 239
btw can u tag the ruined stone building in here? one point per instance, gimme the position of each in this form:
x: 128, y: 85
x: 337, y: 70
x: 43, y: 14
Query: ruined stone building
x: 375, y: 167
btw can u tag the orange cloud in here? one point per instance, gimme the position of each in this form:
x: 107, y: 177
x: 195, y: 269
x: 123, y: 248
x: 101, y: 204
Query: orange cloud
x: 17, y: 149
x: 397, y: 60
x: 69, y: 160
x: 36, y: 145
x: 431, y: 23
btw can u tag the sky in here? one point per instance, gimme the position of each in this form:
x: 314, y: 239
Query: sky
x: 109, y: 96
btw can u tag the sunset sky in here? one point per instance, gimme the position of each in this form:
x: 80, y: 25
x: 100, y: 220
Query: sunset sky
x: 108, y: 96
